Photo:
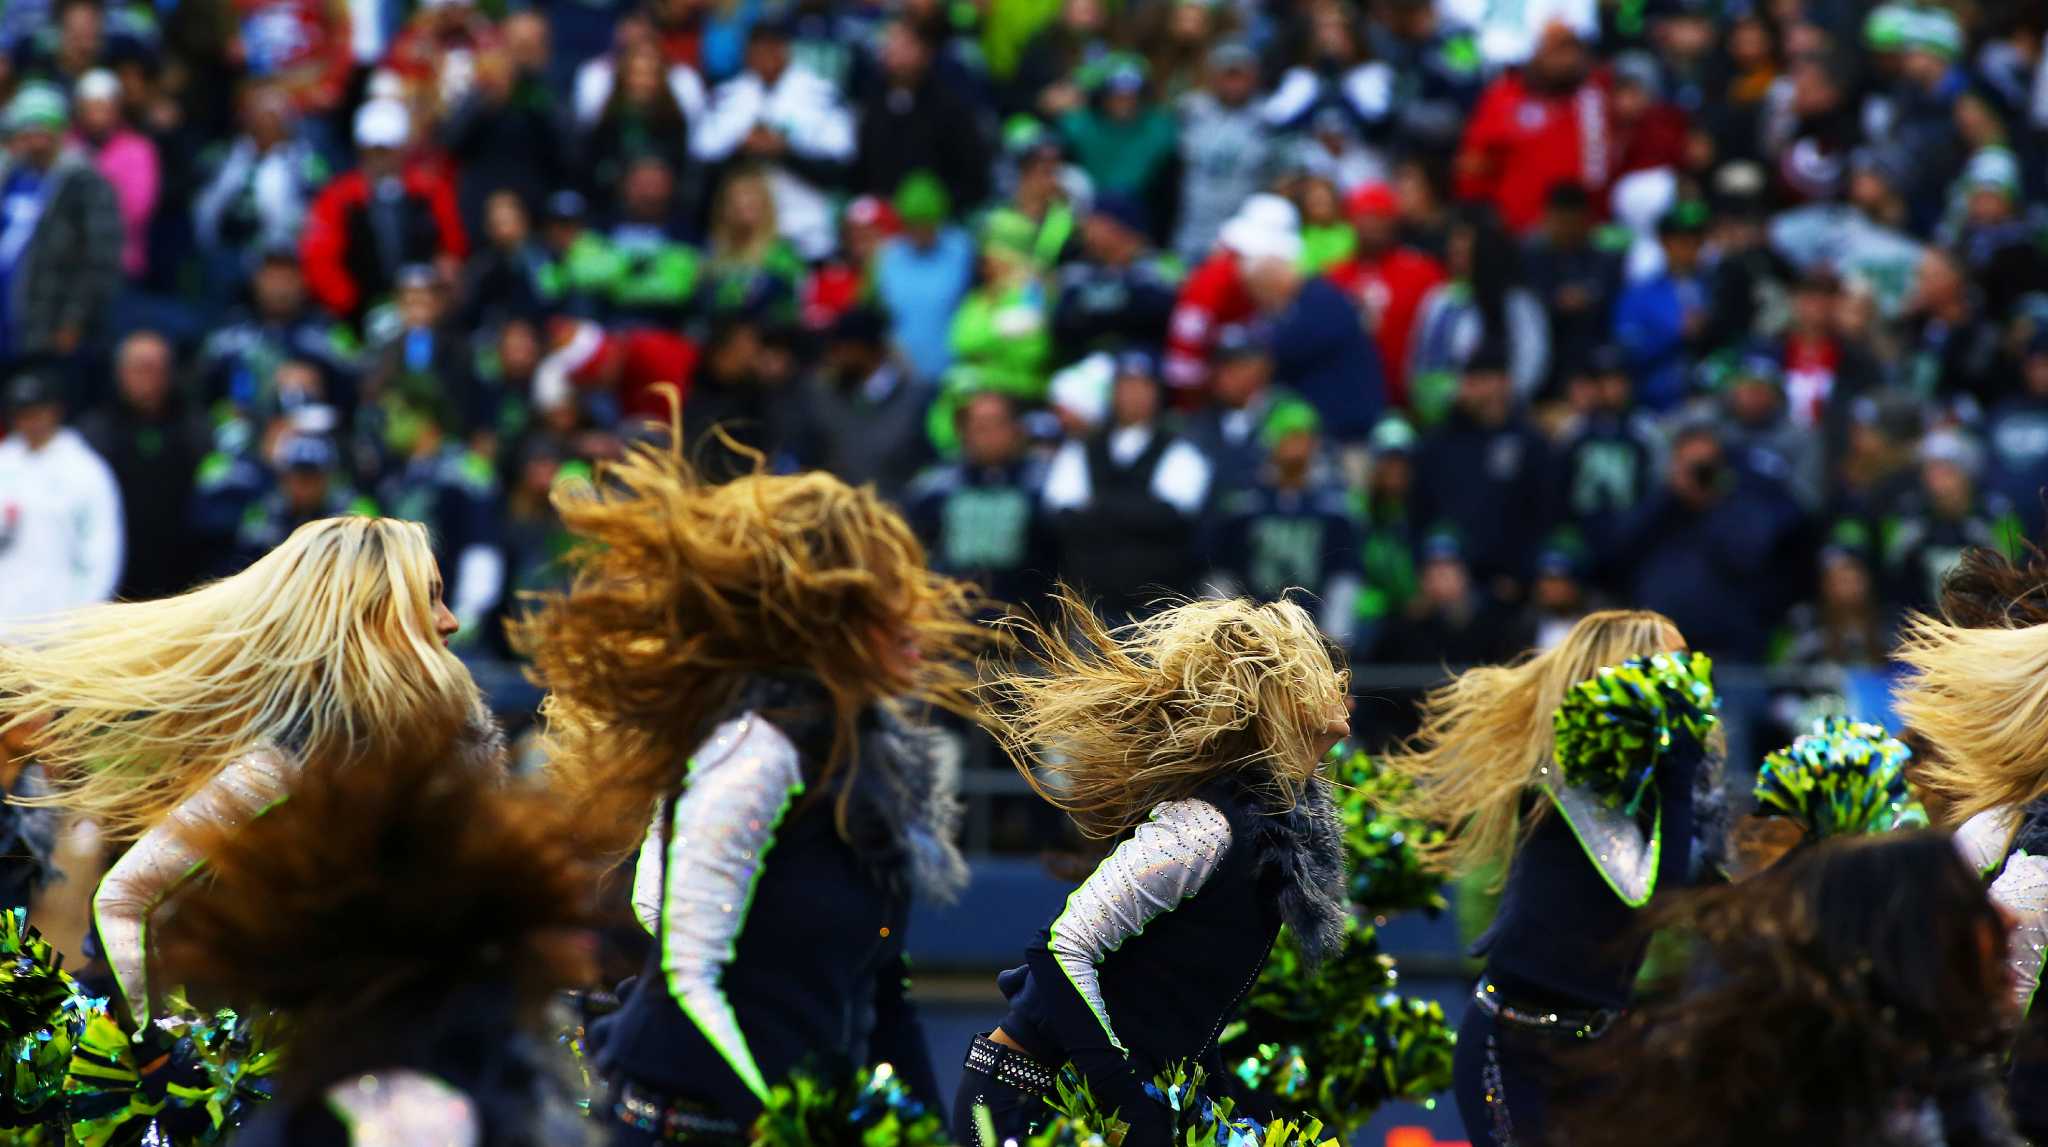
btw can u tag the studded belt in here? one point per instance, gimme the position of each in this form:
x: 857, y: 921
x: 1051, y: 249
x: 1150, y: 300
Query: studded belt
x: 1588, y: 1023
x: 671, y: 1119
x: 1010, y: 1067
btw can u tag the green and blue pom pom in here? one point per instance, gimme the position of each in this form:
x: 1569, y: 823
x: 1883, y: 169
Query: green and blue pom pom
x: 42, y: 1014
x: 1844, y: 778
x: 1384, y: 849
x: 1615, y: 727
x: 875, y: 1107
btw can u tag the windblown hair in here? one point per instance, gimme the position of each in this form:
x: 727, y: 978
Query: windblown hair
x: 684, y: 589
x: 324, y: 647
x: 1989, y: 590
x: 1486, y: 734
x: 1111, y: 722
x: 385, y: 887
x: 1848, y: 981
x: 1979, y: 697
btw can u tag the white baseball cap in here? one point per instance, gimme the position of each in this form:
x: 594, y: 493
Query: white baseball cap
x: 98, y: 84
x: 383, y: 123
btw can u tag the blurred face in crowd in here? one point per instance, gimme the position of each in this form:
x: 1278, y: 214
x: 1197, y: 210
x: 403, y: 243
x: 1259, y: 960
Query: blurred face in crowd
x: 37, y: 147
x: 79, y: 30
x: 647, y: 191
x: 1844, y: 583
x: 526, y: 41
x: 2034, y: 373
x: 1940, y: 287
x: 1414, y: 191
x: 97, y: 118
x: 1082, y: 16
x: 298, y: 383
x: 745, y: 208
x: 1567, y: 225
x: 1814, y: 90
x: 381, y: 163
x: 1949, y: 487
x: 505, y: 221
x: 1239, y: 380
x: 1038, y: 178
x: 732, y: 357
x: 419, y: 307
x: 1683, y: 36
x: 1292, y: 454
x: 1123, y: 103
x: 267, y: 116
x: 1189, y: 24
x: 1749, y: 44
x: 1989, y: 207
x: 1393, y: 474
x: 36, y: 424
x: 280, y: 288
x: 1617, y: 392
x: 518, y: 350
x: 1977, y: 122
x: 1234, y: 86
x: 1556, y: 592
x: 776, y: 365
x: 1560, y: 60
x: 1377, y: 233
x: 1134, y: 401
x: 852, y: 361
x: 767, y: 56
x: 1697, y: 470
x: 1630, y: 101
x: 304, y: 489
x: 1332, y: 32
x: 1813, y: 309
x: 640, y: 76
x: 1486, y: 396
x: 1923, y: 68
x: 1273, y: 283
x: 142, y: 371
x: 1445, y: 583
x: 1872, y: 194
x: 1319, y: 203
x: 989, y: 435
x: 1754, y: 401
x: 1682, y: 251
x: 1109, y: 242
x: 904, y: 55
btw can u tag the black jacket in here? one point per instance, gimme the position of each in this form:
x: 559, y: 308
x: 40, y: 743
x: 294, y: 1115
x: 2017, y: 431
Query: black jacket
x: 1168, y: 988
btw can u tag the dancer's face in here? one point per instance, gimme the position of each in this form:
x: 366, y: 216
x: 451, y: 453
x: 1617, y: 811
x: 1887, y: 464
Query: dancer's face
x: 444, y: 618
x: 1336, y: 727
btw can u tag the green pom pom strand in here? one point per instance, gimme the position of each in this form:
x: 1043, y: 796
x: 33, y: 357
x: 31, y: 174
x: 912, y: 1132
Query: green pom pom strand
x: 1615, y: 727
x: 1844, y: 778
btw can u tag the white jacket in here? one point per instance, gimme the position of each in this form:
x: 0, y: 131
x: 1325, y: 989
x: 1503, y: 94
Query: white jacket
x: 807, y: 111
x: 60, y: 528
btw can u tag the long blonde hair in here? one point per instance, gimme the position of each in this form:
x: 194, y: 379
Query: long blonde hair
x: 1980, y: 698
x: 1125, y: 719
x: 1487, y: 732
x: 325, y: 646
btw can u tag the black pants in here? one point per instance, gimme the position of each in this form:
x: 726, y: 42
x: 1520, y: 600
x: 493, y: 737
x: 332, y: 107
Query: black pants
x: 985, y: 1113
x: 1503, y: 1077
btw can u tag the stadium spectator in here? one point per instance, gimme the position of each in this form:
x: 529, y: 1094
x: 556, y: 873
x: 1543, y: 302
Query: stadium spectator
x: 1229, y: 431
x: 1225, y: 153
x: 1537, y: 128
x: 60, y: 235
x: 922, y: 275
x: 1481, y: 303
x: 982, y: 517
x: 260, y: 187
x: 153, y: 441
x: 1319, y: 346
x: 510, y: 132
x: 1215, y: 294
x: 1576, y: 280
x: 1294, y: 527
x: 1608, y: 453
x: 642, y: 117
x: 1386, y: 279
x: 372, y: 221
x: 1451, y: 619
x: 913, y: 119
x: 1120, y: 292
x: 1945, y: 513
x: 125, y: 158
x: 861, y: 413
x: 1485, y: 476
x: 60, y: 509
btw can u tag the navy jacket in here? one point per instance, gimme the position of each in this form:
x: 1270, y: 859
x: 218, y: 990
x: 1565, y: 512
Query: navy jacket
x: 1320, y: 349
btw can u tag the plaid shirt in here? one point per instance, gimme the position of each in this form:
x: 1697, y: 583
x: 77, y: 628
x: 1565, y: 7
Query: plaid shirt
x: 70, y: 274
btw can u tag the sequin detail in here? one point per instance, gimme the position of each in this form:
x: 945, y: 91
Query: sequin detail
x: 1984, y: 838
x: 1494, y: 1083
x: 1166, y: 861
x: 404, y: 1109
x: 2022, y: 889
x: 154, y: 867
x: 1613, y: 840
x: 741, y: 785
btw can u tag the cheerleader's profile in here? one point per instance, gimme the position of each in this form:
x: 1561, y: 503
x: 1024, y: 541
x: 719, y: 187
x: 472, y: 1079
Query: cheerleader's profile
x: 734, y: 679
x: 1562, y: 953
x: 1194, y: 738
x: 168, y: 716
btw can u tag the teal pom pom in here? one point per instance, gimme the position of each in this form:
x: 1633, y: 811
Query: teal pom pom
x: 42, y: 1015
x: 1617, y: 725
x: 1844, y: 778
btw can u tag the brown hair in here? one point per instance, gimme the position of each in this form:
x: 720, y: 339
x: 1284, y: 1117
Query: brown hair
x: 1128, y: 718
x: 383, y: 885
x: 683, y: 589
x: 1487, y: 732
x: 1989, y: 590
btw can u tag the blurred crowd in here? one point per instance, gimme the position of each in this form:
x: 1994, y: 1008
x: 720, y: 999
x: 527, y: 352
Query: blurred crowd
x: 1462, y: 317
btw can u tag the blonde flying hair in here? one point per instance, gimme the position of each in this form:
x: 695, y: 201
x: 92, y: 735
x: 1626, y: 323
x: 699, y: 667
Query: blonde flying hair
x: 683, y: 590
x: 1125, y: 719
x: 1486, y: 734
x: 324, y: 647
x: 1980, y: 698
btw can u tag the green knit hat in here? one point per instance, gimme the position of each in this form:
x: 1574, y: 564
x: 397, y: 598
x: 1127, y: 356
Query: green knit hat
x: 1885, y: 28
x: 923, y: 199
x: 1289, y: 416
x: 36, y: 107
x: 1935, y: 32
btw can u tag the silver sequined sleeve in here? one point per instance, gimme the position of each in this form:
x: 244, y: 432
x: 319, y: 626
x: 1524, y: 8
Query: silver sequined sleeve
x: 161, y: 860
x: 647, y: 878
x: 2022, y: 890
x: 1166, y: 861
x: 742, y: 783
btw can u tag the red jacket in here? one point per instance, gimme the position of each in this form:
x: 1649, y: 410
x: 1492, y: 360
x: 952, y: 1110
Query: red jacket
x: 1657, y: 140
x: 343, y: 271
x: 1212, y: 298
x: 1520, y: 144
x: 1389, y: 291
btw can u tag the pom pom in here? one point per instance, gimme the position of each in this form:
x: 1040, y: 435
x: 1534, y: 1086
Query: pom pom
x: 875, y: 1108
x: 1617, y: 725
x: 1844, y: 778
x: 1387, y: 871
x: 42, y: 1015
x: 1198, y: 1118
x: 186, y: 1079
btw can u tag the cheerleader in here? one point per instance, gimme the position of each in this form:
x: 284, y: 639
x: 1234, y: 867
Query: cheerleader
x: 1194, y: 736
x: 1851, y: 996
x: 1977, y: 698
x: 169, y: 716
x: 733, y: 661
x: 408, y: 919
x: 1561, y: 954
